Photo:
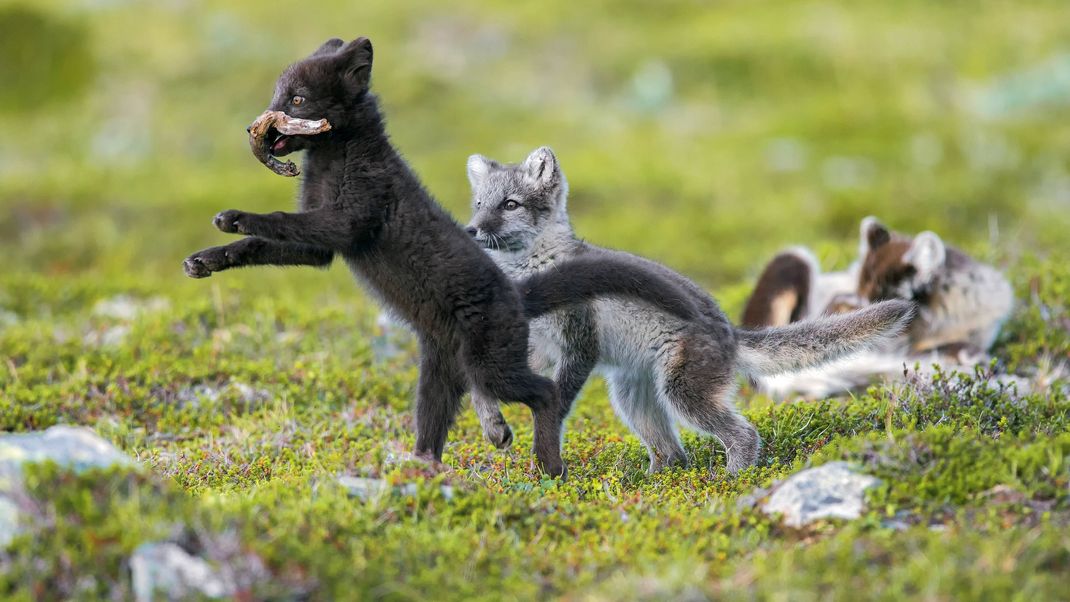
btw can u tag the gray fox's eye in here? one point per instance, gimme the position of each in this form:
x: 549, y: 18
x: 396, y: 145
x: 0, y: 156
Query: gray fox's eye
x: 296, y: 100
x: 510, y: 205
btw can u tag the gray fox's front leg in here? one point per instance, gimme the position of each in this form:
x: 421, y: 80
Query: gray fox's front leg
x: 495, y: 428
x: 254, y: 251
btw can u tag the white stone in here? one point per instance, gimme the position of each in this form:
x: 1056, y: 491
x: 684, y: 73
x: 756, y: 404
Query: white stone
x: 362, y: 488
x: 77, y: 448
x: 164, y: 571
x: 9, y: 521
x: 125, y: 307
x: 366, y: 489
x: 72, y: 446
x: 829, y: 491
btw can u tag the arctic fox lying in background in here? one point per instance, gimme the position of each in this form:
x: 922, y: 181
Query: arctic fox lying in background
x: 961, y: 305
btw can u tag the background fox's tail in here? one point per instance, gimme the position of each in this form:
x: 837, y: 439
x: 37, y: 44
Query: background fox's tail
x: 586, y: 278
x: 808, y: 343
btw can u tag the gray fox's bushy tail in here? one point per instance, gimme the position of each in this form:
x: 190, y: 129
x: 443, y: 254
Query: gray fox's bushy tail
x: 769, y: 351
x: 586, y: 278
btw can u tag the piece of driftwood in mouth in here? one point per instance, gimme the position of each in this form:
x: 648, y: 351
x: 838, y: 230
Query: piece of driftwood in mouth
x: 284, y: 124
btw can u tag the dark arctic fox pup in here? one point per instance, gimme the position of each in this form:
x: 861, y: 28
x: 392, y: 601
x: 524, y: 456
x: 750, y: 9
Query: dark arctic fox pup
x: 360, y: 199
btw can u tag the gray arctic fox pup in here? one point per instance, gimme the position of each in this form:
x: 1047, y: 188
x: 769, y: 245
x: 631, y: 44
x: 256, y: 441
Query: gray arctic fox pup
x: 661, y: 369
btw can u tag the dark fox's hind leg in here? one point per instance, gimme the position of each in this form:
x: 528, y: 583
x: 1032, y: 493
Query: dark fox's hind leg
x: 495, y: 428
x: 698, y: 383
x: 501, y: 371
x: 438, y: 398
x: 577, y: 360
x: 780, y: 297
x: 540, y: 395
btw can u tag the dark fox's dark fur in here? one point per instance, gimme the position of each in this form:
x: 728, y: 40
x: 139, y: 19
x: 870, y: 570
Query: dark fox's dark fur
x: 584, y: 278
x: 361, y: 200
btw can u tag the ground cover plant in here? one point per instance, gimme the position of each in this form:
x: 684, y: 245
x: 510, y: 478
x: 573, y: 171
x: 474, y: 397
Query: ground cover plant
x: 706, y: 137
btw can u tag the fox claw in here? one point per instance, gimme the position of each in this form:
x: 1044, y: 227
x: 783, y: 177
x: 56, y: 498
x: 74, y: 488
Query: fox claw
x: 228, y: 221
x: 195, y: 268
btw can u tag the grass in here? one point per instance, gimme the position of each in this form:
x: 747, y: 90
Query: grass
x: 783, y: 123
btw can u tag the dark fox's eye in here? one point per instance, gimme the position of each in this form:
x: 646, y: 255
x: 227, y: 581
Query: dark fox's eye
x: 510, y: 205
x: 296, y: 100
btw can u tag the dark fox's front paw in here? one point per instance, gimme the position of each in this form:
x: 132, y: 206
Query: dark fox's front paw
x: 195, y: 268
x: 203, y: 263
x: 229, y: 221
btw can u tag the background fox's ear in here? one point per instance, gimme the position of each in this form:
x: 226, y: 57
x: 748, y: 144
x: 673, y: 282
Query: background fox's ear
x: 541, y: 166
x: 356, y: 64
x: 331, y: 46
x: 926, y: 253
x: 872, y: 235
x: 478, y: 168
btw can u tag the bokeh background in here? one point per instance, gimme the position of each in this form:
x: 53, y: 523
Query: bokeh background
x: 704, y: 134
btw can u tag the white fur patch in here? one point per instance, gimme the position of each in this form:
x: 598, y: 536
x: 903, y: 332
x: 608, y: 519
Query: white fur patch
x: 540, y: 165
x: 863, y: 235
x: 926, y: 254
x: 478, y: 168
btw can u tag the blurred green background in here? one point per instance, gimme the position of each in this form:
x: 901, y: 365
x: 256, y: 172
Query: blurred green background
x: 704, y: 134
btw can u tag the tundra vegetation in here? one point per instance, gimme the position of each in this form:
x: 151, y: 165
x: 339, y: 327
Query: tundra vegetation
x: 703, y: 137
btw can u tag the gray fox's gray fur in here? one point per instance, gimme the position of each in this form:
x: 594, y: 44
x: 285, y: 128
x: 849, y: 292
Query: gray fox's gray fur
x: 662, y: 369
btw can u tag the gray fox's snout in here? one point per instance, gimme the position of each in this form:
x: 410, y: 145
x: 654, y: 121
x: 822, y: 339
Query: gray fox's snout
x: 472, y: 231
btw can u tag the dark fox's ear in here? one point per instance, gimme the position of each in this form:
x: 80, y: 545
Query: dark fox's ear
x: 356, y: 64
x: 872, y: 235
x: 331, y: 46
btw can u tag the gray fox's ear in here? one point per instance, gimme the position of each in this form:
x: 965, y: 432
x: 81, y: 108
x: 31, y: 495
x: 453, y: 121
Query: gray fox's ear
x: 331, y: 46
x: 872, y: 235
x: 478, y: 168
x: 541, y: 166
x: 356, y: 64
x: 926, y: 253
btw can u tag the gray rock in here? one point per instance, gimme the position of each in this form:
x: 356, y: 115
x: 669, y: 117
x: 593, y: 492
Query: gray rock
x: 366, y: 489
x: 362, y: 488
x: 829, y: 491
x: 194, y: 395
x: 164, y: 571
x: 109, y: 337
x: 76, y: 448
x: 7, y: 318
x: 9, y: 521
x: 125, y: 307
